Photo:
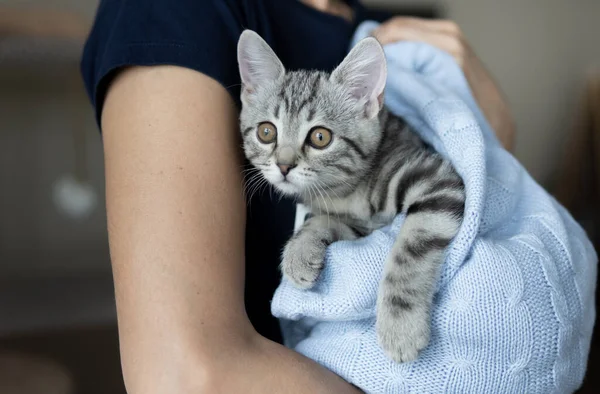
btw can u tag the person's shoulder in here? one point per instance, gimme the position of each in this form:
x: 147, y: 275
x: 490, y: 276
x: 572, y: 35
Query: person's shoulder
x: 197, y: 34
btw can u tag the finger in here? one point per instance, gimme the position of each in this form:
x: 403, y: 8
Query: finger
x: 394, y: 33
x: 398, y: 28
x: 439, y: 25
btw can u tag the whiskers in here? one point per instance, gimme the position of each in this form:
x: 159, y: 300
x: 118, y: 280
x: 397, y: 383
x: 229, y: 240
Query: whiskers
x: 320, y: 193
x: 339, y: 184
x: 327, y: 191
x: 254, y: 182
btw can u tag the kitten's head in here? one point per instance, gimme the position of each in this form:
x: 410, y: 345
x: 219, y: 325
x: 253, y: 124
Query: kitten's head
x: 308, y: 130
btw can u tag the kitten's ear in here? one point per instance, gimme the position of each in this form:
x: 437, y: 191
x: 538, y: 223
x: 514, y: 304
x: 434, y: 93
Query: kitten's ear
x: 364, y: 72
x: 258, y: 63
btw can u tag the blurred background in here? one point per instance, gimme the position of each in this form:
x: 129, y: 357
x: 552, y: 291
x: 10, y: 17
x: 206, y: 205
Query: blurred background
x: 57, y: 315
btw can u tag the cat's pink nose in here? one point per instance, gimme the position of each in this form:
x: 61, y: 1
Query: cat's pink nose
x: 285, y: 168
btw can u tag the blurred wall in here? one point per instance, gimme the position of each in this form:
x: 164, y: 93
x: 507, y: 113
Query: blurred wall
x: 41, y: 107
x: 539, y: 51
x: 36, y: 151
x: 83, y: 7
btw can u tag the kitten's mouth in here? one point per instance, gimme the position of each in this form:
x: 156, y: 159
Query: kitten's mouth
x: 287, y: 187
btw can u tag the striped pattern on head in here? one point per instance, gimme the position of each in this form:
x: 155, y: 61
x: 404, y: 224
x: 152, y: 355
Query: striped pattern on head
x: 317, y: 128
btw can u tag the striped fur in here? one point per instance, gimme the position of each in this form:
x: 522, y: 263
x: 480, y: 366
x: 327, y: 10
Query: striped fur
x: 375, y: 168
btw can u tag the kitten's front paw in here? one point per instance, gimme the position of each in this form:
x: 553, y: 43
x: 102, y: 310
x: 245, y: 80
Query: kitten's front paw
x: 403, y: 335
x: 303, y: 259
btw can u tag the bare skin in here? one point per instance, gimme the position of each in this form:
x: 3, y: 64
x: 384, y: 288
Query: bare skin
x: 176, y: 219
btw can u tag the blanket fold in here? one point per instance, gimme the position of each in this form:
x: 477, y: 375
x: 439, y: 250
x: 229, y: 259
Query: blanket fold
x: 514, y: 308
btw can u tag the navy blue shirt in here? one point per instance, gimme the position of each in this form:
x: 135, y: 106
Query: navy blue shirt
x: 202, y: 35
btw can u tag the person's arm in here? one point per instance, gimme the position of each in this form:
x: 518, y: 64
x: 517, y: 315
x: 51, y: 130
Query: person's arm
x: 448, y: 36
x: 176, y: 218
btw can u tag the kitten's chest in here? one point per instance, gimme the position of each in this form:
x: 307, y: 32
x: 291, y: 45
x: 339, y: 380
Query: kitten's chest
x: 354, y: 210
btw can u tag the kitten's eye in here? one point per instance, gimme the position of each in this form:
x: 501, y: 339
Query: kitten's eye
x: 320, y: 138
x: 267, y: 132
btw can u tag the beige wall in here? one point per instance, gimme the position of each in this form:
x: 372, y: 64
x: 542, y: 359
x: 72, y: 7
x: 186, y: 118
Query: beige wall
x: 84, y: 7
x: 539, y: 51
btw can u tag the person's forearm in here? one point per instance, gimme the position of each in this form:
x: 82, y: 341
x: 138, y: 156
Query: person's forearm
x: 176, y: 218
x: 491, y: 101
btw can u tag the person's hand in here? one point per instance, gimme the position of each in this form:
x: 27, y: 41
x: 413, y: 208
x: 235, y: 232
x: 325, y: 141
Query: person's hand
x: 447, y: 36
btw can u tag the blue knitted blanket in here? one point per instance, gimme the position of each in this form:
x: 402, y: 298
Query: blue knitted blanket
x: 514, y: 307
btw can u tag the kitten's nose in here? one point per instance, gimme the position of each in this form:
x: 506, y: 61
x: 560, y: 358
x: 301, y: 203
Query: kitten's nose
x: 285, y: 168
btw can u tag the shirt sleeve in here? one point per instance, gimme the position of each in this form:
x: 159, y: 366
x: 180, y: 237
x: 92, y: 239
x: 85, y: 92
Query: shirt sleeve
x: 197, y: 34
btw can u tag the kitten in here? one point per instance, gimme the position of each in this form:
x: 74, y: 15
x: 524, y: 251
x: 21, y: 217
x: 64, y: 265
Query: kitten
x: 328, y: 140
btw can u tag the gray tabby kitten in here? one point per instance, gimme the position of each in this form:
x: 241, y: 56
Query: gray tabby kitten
x: 327, y: 140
